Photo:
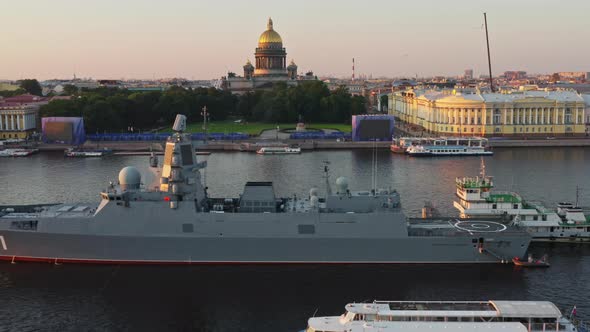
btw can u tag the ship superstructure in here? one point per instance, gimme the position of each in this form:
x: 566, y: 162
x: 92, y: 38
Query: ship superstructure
x: 175, y: 221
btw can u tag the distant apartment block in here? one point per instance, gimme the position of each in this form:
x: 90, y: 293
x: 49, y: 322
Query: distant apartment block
x: 468, y: 75
x: 574, y: 75
x: 509, y: 113
x: 514, y: 75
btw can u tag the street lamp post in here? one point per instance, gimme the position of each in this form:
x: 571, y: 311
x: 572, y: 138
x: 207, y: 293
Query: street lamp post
x: 205, y: 115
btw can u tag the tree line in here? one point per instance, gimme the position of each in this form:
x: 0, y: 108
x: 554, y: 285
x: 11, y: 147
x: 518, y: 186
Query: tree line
x: 114, y: 110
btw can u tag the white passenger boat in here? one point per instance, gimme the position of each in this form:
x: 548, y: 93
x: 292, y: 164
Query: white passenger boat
x: 475, y: 199
x: 435, y: 316
x: 447, y: 150
x: 74, y: 152
x: 279, y: 150
x: 17, y: 152
x: 401, y: 144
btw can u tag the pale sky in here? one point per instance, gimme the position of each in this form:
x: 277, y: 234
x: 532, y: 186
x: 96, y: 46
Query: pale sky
x: 199, y: 39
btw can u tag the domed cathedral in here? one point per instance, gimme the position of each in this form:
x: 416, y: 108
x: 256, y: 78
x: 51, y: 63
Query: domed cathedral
x: 270, y: 66
x: 270, y: 54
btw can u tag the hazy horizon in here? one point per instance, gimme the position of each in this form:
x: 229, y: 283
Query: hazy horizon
x: 204, y: 40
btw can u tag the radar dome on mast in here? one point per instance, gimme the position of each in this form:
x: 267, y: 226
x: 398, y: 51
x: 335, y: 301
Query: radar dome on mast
x: 342, y: 185
x: 129, y: 178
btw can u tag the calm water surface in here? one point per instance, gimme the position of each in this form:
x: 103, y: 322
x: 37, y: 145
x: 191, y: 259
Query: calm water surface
x: 40, y: 297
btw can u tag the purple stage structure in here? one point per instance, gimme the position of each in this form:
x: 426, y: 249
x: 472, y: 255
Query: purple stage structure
x: 372, y: 127
x: 63, y: 130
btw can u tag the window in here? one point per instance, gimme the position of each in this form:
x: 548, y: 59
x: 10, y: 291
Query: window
x: 306, y: 229
x: 515, y: 206
x: 494, y: 206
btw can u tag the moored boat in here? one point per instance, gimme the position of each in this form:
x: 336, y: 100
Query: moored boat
x: 441, y: 146
x: 17, y: 152
x: 477, y: 199
x: 435, y: 316
x: 447, y: 150
x: 531, y: 262
x: 174, y: 220
x: 278, y: 150
x: 77, y: 152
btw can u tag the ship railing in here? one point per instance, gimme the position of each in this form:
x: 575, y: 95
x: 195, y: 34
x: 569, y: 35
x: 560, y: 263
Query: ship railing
x: 473, y: 182
x: 514, y: 197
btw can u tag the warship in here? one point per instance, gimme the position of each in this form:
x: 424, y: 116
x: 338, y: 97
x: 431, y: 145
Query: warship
x: 175, y: 221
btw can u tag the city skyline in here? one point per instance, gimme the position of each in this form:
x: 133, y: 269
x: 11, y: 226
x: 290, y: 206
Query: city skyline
x: 146, y: 39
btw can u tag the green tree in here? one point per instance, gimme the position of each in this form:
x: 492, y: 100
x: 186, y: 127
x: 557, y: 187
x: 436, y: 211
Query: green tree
x: 70, y: 90
x: 31, y: 86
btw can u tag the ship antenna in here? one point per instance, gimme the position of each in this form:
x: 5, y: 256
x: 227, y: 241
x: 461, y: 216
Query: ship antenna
x: 482, y: 169
x: 327, y: 177
x: 577, y: 195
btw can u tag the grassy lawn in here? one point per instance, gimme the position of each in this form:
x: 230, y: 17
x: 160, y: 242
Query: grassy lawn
x: 255, y: 128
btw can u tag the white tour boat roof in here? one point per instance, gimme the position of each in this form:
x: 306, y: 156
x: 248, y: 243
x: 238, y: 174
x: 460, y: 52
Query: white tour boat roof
x: 424, y: 327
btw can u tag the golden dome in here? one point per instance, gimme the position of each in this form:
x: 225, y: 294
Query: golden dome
x: 270, y: 37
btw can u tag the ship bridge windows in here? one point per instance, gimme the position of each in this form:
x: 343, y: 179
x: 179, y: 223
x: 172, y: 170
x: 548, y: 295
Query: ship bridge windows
x: 25, y: 225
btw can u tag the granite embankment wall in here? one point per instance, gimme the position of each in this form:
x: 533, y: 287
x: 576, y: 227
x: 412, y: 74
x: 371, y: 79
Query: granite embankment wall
x: 252, y: 145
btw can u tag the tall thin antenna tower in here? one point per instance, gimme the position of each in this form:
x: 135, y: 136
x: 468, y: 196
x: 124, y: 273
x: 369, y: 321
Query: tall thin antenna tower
x: 485, y: 19
x: 353, y: 69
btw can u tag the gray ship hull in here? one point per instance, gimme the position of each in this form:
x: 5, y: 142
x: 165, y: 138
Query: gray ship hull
x: 59, y: 248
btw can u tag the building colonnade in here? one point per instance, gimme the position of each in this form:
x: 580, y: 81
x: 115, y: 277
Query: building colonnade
x: 455, y: 116
x: 17, y: 121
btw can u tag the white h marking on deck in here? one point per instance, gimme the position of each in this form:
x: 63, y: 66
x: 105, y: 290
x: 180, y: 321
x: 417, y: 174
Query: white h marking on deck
x: 3, y: 242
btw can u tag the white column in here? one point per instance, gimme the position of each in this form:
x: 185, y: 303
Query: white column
x: 484, y: 116
x: 555, y: 115
x: 1, y: 122
x: 576, y: 120
x: 12, y: 122
x: 542, y: 115
x: 537, y: 115
x: 18, y: 127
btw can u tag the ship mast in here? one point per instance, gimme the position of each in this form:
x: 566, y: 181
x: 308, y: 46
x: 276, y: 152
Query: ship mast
x: 489, y: 58
x: 482, y: 169
x: 327, y: 177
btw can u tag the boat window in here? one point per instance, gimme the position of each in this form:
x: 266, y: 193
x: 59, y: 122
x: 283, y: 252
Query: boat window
x: 494, y: 206
x: 515, y: 206
x: 544, y: 217
x: 535, y: 217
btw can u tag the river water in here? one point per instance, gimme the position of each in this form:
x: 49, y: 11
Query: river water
x: 42, y: 297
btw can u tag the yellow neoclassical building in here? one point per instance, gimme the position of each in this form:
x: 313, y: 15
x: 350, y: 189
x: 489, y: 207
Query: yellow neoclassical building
x: 510, y: 113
